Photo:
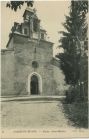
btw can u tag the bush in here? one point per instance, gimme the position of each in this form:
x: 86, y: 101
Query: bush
x: 73, y: 94
x: 77, y: 113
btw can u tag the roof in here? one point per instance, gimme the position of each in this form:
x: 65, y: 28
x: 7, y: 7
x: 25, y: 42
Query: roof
x: 29, y: 10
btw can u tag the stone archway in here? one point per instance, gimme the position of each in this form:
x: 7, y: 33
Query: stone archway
x: 34, y: 84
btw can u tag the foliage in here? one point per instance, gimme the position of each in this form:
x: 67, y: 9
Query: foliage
x: 82, y: 6
x: 72, y: 94
x: 77, y: 113
x: 72, y: 41
x: 14, y: 5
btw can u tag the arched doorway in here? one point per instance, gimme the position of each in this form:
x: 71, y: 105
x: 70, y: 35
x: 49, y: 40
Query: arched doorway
x: 34, y: 85
x: 34, y: 81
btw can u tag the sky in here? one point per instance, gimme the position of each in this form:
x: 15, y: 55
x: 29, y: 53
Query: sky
x: 51, y: 13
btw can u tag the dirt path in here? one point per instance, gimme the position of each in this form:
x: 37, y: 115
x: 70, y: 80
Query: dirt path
x: 33, y: 114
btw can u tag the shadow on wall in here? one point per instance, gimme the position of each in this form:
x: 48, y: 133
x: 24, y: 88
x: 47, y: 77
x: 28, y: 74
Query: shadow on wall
x: 59, y: 81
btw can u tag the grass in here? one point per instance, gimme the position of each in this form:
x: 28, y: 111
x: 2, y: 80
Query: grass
x: 77, y: 113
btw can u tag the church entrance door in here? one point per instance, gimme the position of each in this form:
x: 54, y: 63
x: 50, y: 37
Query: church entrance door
x: 34, y: 85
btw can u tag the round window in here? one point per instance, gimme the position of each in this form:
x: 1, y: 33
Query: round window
x: 35, y: 64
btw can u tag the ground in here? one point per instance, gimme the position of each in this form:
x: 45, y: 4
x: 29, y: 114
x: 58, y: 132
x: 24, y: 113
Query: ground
x: 34, y: 114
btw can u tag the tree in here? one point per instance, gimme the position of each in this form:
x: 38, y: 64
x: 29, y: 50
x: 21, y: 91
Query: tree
x: 14, y: 5
x: 72, y: 41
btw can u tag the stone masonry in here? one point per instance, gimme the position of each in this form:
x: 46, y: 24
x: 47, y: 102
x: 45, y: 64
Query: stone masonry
x: 27, y: 63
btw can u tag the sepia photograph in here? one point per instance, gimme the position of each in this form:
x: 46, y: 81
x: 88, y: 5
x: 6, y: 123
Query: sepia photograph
x: 44, y: 65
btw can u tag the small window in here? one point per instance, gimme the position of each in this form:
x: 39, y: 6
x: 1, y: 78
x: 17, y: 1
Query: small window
x: 42, y: 36
x: 35, y: 25
x: 25, y: 31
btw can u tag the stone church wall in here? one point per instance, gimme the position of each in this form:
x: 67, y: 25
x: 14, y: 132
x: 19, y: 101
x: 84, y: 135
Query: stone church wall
x: 7, y: 73
x: 60, y: 83
x: 16, y: 66
x: 59, y: 78
x: 24, y: 55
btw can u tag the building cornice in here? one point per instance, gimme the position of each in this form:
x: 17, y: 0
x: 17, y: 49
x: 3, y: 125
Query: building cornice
x: 26, y: 36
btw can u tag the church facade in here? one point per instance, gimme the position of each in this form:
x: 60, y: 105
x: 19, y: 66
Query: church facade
x: 27, y: 63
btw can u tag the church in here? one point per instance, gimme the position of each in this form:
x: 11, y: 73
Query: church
x: 27, y: 65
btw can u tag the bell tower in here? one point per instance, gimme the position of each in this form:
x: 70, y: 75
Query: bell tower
x: 31, y: 18
x: 30, y: 27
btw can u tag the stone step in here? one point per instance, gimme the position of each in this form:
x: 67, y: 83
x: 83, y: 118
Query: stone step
x: 33, y: 98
